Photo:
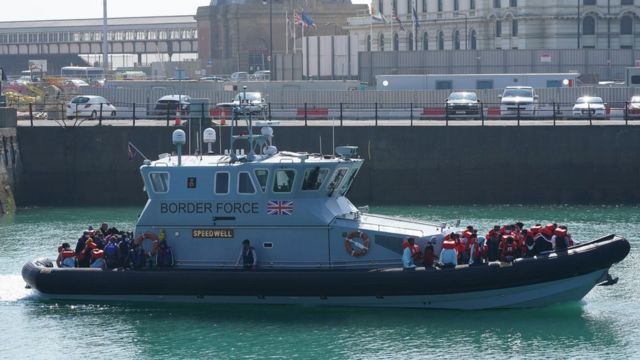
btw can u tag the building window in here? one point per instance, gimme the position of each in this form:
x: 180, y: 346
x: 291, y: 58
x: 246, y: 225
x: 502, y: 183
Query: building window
x: 626, y: 25
x: 514, y: 27
x: 410, y: 41
x: 474, y: 40
x: 496, y: 4
x: 440, y: 40
x: 368, y: 42
x: 484, y: 84
x: 396, y: 42
x: 425, y: 41
x: 626, y: 2
x: 381, y: 42
x: 513, y: 3
x: 498, y: 28
x: 456, y: 5
x: 589, y: 2
x: 589, y: 25
x: 439, y: 5
x: 381, y: 6
x: 444, y: 84
x: 472, y: 4
x: 456, y: 40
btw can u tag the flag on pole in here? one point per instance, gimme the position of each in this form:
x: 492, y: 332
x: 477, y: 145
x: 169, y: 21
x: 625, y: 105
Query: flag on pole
x: 297, y: 20
x: 396, y: 18
x: 415, y: 18
x: 308, y: 21
x: 379, y: 18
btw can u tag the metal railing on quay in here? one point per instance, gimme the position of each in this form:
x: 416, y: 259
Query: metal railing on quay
x: 334, y: 114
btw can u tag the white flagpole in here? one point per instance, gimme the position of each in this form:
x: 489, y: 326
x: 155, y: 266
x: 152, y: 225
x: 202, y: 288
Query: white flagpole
x: 294, y: 33
x: 286, y: 32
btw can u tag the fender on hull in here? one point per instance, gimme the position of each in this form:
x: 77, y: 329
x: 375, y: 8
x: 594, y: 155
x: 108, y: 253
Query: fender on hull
x: 540, y: 281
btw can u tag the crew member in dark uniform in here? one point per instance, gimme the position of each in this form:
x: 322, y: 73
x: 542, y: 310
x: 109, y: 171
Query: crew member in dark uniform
x: 247, y: 256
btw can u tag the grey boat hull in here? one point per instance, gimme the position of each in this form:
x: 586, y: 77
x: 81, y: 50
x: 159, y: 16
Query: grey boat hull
x: 540, y: 281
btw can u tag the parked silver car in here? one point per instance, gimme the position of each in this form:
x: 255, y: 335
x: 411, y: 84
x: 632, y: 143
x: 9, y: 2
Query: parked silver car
x: 90, y: 106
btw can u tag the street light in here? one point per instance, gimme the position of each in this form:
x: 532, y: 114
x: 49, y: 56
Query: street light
x: 105, y: 49
x: 264, y: 2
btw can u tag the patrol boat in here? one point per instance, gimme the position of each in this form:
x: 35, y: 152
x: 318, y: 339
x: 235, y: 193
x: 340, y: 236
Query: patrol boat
x: 314, y: 247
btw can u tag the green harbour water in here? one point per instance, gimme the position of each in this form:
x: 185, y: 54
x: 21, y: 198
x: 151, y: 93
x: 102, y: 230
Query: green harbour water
x: 605, y: 325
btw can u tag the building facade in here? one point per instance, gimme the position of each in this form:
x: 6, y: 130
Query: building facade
x: 240, y: 35
x: 498, y: 24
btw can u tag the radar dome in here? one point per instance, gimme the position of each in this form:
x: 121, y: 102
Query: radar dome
x: 209, y: 135
x: 179, y: 137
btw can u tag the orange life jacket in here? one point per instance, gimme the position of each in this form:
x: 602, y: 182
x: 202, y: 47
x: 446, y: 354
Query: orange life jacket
x: 448, y: 244
x: 68, y: 253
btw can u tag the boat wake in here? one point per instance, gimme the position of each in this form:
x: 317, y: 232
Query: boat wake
x: 12, y: 289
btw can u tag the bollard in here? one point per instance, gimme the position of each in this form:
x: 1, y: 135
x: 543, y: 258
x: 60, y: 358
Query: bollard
x: 31, y: 113
x: 376, y: 115
x: 100, y: 117
x: 554, y: 114
x: 134, y: 114
x: 341, y: 114
x: 305, y: 114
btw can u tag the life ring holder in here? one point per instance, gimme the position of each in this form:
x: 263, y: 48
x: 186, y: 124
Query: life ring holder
x: 354, y: 248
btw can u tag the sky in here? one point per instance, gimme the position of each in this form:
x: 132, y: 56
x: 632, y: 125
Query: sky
x: 84, y: 9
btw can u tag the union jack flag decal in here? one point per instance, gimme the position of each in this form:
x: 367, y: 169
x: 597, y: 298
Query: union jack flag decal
x: 280, y: 207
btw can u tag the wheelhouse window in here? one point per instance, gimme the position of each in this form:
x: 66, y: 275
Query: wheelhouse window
x: 589, y: 25
x: 245, y: 184
x: 283, y: 180
x: 159, y: 182
x: 337, y: 179
x: 262, y: 175
x: 222, y: 183
x: 313, y: 178
x: 347, y: 183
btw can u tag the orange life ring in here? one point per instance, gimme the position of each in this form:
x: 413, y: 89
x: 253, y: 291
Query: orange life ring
x: 355, y: 248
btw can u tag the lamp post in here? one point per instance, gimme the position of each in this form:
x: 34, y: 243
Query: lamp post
x: 264, y: 2
x: 578, y: 34
x: 105, y: 49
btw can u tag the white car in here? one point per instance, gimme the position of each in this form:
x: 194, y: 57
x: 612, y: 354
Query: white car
x: 90, y: 106
x: 247, y: 102
x: 518, y: 101
x: 589, y: 107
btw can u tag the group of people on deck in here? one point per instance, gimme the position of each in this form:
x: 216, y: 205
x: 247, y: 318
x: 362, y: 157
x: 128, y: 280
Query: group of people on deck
x: 502, y: 243
x: 108, y: 248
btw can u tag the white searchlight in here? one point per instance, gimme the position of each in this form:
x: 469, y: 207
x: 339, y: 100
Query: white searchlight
x: 209, y: 137
x: 179, y: 138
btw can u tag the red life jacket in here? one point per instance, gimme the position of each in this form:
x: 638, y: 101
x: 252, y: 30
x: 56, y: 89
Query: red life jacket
x: 68, y: 253
x: 535, y: 229
x: 467, y: 234
x: 509, y: 249
x: 448, y: 244
x: 560, y: 232
x: 415, y: 251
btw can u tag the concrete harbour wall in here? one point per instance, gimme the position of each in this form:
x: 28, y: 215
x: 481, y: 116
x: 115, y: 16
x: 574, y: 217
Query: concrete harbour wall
x: 9, y: 165
x: 403, y: 165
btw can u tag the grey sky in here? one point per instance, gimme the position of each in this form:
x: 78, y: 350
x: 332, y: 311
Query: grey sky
x: 81, y: 9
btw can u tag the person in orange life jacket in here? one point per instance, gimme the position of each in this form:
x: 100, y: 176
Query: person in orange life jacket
x: 449, y: 254
x: 408, y: 254
x: 559, y: 239
x: 543, y: 240
x: 247, y: 256
x: 509, y: 252
x: 84, y: 257
x: 66, y: 256
x: 492, y: 244
x: 429, y: 257
x: 97, y: 259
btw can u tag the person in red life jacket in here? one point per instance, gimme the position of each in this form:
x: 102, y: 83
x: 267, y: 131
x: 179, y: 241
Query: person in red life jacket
x: 428, y: 259
x: 84, y: 257
x: 66, y: 256
x: 449, y: 254
x: 570, y: 241
x: 468, y: 232
x: 97, y: 259
x: 492, y: 244
x: 473, y: 248
x: 508, y: 253
x: 408, y: 253
x: 559, y: 239
x: 543, y: 240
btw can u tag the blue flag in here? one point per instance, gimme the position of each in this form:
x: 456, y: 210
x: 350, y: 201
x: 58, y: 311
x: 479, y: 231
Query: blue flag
x: 415, y: 17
